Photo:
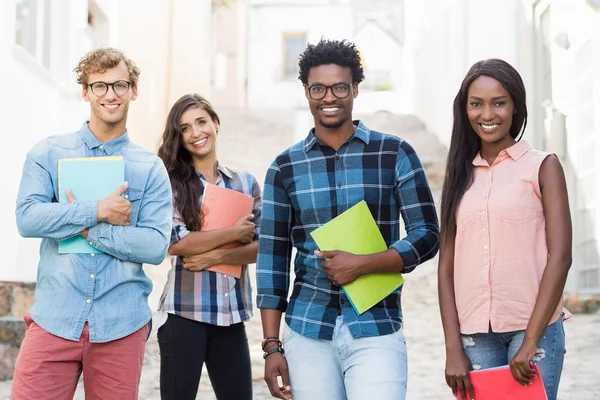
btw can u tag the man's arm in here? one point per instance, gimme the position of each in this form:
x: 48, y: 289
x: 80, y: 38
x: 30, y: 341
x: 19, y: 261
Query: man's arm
x: 36, y: 213
x: 274, y: 248
x: 146, y: 242
x: 273, y: 274
x: 417, y: 208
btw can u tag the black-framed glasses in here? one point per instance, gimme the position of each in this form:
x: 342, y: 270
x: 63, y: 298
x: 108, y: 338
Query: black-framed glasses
x: 100, y: 88
x: 318, y: 92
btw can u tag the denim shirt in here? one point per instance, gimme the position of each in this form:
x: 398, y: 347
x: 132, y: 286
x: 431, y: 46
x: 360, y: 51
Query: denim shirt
x: 109, y: 291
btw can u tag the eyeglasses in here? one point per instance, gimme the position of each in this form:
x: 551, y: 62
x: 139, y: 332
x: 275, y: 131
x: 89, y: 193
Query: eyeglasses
x: 101, y: 88
x: 339, y: 90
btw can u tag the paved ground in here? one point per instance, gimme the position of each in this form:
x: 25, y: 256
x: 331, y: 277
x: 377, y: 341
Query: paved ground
x: 252, y: 140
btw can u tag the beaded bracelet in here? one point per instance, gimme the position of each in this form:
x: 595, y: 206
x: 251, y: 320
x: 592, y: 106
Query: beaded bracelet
x: 273, y: 351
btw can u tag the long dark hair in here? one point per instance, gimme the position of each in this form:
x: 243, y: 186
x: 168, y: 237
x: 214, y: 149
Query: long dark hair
x: 187, y: 188
x: 465, y: 144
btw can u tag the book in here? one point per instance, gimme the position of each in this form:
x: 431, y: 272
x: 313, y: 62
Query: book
x: 356, y: 232
x: 91, y: 178
x: 223, y: 208
x: 499, y: 384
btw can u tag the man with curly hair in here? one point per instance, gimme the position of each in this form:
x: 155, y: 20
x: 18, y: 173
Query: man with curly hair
x: 330, y: 351
x: 91, y: 311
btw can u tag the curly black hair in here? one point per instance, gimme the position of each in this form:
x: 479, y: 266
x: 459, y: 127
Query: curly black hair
x: 342, y: 53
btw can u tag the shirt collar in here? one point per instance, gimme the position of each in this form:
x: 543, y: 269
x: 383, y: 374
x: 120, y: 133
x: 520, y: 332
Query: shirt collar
x: 515, y: 152
x: 220, y: 168
x: 111, y: 147
x: 362, y: 132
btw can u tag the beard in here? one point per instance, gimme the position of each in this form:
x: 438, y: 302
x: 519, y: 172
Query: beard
x: 332, y: 125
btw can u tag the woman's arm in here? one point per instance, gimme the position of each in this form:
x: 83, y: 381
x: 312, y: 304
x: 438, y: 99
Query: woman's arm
x: 555, y: 201
x: 200, y: 242
x: 458, y: 364
x: 245, y: 254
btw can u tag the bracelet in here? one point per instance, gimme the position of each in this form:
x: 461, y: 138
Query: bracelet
x: 270, y: 339
x: 273, y: 351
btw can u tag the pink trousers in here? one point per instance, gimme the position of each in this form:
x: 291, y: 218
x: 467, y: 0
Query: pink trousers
x: 48, y: 367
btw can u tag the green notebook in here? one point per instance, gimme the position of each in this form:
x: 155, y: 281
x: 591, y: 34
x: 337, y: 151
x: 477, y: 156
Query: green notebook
x: 90, y: 178
x: 356, y: 232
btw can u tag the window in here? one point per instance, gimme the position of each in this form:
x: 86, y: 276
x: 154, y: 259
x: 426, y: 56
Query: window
x: 293, y: 45
x: 32, y: 28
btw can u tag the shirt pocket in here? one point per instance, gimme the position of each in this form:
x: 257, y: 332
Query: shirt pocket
x: 135, y: 199
x: 517, y: 216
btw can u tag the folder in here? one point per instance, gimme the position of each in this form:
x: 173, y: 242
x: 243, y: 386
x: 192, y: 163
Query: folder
x: 223, y: 208
x: 356, y: 232
x: 91, y: 178
x: 499, y: 384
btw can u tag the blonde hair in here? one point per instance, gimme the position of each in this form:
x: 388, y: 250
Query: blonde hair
x: 99, y: 60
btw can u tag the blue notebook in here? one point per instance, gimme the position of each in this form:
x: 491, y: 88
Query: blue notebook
x: 92, y: 178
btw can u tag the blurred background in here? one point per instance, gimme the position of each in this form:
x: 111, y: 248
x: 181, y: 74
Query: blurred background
x: 243, y: 56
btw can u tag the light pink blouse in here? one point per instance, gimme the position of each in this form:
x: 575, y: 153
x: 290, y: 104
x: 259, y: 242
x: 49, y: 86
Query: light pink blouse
x: 500, y: 250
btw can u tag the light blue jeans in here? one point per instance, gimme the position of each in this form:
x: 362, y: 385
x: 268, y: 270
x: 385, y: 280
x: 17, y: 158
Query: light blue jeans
x: 488, y: 350
x: 346, y: 368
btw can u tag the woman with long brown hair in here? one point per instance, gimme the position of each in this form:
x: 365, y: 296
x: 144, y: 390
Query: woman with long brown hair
x: 202, y: 312
x: 505, y: 248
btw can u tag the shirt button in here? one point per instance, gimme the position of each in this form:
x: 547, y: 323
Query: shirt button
x: 126, y: 196
x: 88, y: 301
x: 90, y: 242
x: 485, y: 197
x: 339, y: 185
x: 102, y: 147
x: 337, y: 156
x: 485, y: 247
x: 486, y: 266
x: 485, y: 228
x: 93, y: 254
x: 226, y: 294
x: 92, y: 276
x: 483, y: 212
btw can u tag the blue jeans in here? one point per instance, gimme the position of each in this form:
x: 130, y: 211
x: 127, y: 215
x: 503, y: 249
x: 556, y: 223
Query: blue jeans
x: 488, y: 350
x: 346, y: 368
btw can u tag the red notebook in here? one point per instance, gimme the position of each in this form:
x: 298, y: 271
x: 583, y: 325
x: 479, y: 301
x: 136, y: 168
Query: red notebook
x: 499, y: 384
x: 222, y: 208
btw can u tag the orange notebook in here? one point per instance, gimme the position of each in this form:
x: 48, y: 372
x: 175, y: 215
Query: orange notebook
x: 499, y: 384
x: 222, y: 208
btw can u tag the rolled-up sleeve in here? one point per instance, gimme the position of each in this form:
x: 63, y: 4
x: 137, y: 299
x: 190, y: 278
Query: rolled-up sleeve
x: 417, y: 208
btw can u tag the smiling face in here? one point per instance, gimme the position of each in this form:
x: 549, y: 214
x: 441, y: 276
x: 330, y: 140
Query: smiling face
x: 331, y: 112
x: 109, y: 110
x: 198, y: 132
x: 490, y: 110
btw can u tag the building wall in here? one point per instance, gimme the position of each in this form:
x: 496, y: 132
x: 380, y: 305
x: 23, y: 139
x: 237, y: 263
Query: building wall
x: 445, y: 37
x: 382, y: 57
x: 268, y: 22
x: 229, y: 67
x: 569, y: 32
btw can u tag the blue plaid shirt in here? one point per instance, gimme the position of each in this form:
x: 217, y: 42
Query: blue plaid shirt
x: 308, y: 185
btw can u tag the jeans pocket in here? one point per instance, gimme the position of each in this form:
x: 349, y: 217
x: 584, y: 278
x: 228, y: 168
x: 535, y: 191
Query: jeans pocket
x: 288, y: 334
x: 399, y: 335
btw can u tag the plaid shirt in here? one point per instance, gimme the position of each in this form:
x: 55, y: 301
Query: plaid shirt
x: 308, y: 185
x: 208, y: 296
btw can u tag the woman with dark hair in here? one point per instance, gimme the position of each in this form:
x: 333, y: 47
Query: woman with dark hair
x: 202, y: 312
x: 505, y: 246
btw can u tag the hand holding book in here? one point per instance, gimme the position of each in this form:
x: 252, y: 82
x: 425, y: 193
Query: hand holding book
x: 341, y: 267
